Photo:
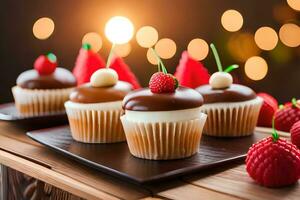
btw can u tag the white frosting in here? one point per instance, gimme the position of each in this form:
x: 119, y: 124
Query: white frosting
x: 104, y: 77
x: 113, y: 105
x: 163, y: 116
x: 219, y: 80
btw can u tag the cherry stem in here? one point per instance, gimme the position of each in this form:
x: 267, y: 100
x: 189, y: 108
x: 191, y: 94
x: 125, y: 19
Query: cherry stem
x: 110, y: 55
x: 217, y: 58
x: 161, y: 66
x: 274, y: 134
x: 294, y: 102
x: 231, y: 67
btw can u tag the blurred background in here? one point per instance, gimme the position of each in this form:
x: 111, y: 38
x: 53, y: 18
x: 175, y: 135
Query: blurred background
x: 263, y: 37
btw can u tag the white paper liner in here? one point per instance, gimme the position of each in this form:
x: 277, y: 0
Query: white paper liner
x: 163, y: 140
x: 30, y: 102
x: 232, y: 119
x: 95, y: 125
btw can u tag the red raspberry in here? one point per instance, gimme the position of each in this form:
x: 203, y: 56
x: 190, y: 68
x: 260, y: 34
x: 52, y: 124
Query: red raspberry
x: 267, y: 110
x: 287, y: 116
x: 295, y: 134
x: 273, y: 163
x: 163, y: 83
x: 45, y: 65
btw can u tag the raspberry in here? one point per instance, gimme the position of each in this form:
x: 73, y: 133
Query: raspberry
x: 295, y: 134
x: 45, y: 64
x: 287, y: 116
x: 267, y: 110
x: 273, y: 163
x: 163, y: 83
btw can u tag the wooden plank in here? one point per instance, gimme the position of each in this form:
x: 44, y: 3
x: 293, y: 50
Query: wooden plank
x: 236, y: 182
x: 51, y: 177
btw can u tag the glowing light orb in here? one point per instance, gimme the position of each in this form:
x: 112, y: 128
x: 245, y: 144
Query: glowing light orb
x: 147, y: 36
x: 198, y: 49
x: 122, y: 50
x: 232, y: 20
x: 289, y: 34
x: 119, y: 30
x: 43, y: 28
x: 256, y: 68
x: 295, y: 4
x: 266, y: 38
x: 165, y: 48
x: 94, y: 39
x: 151, y: 57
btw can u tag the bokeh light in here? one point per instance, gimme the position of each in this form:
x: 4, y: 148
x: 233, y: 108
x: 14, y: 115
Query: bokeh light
x: 266, y: 38
x: 256, y: 68
x: 151, y: 57
x: 122, y: 50
x: 43, y: 28
x: 166, y: 48
x: 94, y: 39
x: 241, y: 46
x: 147, y: 36
x: 198, y: 49
x: 232, y: 20
x: 119, y: 30
x: 295, y: 4
x: 289, y: 35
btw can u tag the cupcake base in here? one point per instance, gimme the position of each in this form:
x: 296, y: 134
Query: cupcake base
x: 233, y: 119
x: 163, y: 140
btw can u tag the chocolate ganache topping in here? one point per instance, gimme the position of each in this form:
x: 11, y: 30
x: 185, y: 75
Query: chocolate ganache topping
x: 145, y: 100
x: 88, y: 94
x: 234, y: 93
x: 61, y: 78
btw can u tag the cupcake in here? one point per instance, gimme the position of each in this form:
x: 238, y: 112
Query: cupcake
x: 232, y: 109
x: 94, y: 108
x: 163, y: 121
x: 43, y: 89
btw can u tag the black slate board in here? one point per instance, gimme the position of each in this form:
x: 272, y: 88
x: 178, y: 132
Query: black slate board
x: 115, y: 159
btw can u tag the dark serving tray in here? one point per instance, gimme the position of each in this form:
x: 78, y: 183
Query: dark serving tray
x: 8, y: 112
x: 115, y: 159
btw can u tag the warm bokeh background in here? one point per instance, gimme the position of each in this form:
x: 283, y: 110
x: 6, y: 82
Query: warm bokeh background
x: 180, y: 20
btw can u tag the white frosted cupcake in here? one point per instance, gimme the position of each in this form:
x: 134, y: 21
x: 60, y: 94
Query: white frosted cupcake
x: 94, y: 109
x: 163, y: 122
x: 43, y: 89
x: 232, y: 109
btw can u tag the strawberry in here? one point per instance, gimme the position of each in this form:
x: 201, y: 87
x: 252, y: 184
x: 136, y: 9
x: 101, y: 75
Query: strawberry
x: 288, y: 115
x: 273, y: 162
x: 86, y: 64
x: 163, y: 83
x: 295, y: 134
x: 190, y: 72
x: 45, y: 64
x: 124, y: 72
x: 267, y: 110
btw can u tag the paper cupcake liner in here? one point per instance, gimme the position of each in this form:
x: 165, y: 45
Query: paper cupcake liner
x: 97, y: 125
x: 163, y: 140
x: 31, y: 102
x: 231, y: 119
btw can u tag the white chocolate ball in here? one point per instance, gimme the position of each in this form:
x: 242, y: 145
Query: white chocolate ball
x: 219, y: 80
x: 104, y: 77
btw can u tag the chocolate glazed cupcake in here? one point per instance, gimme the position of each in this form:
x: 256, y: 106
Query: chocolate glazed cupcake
x: 232, y: 109
x: 94, y: 109
x: 163, y: 122
x: 43, y: 89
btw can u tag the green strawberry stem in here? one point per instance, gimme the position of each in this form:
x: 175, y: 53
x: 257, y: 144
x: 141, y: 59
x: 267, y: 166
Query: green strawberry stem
x: 281, y: 106
x: 274, y: 131
x: 294, y: 102
x: 110, y: 55
x: 217, y: 58
x: 86, y: 46
x: 231, y: 67
x: 51, y: 57
x: 161, y: 66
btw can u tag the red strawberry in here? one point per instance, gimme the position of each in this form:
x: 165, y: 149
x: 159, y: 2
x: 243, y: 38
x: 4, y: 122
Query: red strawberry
x: 163, y: 83
x: 124, y: 72
x: 288, y: 115
x: 273, y: 162
x: 45, y: 64
x: 295, y: 134
x: 191, y: 73
x: 267, y: 110
x: 86, y: 64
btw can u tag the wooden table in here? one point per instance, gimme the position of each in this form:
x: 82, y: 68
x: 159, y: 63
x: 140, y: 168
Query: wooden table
x: 50, y: 174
